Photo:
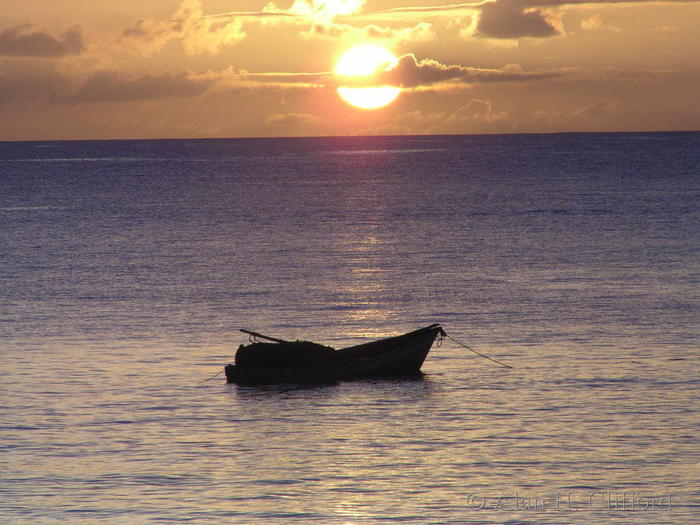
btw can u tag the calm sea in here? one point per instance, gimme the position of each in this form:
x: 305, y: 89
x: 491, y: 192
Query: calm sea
x: 127, y: 268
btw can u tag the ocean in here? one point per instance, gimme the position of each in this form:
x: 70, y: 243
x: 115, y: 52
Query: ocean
x: 127, y: 269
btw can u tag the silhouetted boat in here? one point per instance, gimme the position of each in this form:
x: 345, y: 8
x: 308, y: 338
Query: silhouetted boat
x: 305, y: 362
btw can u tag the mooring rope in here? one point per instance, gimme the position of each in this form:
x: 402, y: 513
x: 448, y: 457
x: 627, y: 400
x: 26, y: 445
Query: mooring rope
x: 477, y: 353
x: 212, y: 377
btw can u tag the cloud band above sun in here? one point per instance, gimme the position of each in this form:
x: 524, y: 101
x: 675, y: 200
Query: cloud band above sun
x: 493, y: 19
x: 202, y: 32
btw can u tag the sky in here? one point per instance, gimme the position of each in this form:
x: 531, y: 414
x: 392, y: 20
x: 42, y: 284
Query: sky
x: 128, y: 69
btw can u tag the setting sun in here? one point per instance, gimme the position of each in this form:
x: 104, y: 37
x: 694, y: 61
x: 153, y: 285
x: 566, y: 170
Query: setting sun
x: 363, y: 62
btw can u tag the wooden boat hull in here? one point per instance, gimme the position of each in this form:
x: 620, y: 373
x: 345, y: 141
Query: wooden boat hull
x: 400, y: 355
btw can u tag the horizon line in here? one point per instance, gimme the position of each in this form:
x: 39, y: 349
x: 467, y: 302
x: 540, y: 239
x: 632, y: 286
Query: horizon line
x: 265, y: 137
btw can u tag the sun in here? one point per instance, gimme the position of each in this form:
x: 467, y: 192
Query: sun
x: 358, y: 65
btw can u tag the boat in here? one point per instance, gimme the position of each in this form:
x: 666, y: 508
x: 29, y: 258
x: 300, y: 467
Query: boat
x: 281, y: 361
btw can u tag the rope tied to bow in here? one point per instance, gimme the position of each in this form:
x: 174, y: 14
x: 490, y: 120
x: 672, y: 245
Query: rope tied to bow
x: 472, y: 350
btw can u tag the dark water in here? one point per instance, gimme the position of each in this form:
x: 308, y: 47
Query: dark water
x: 126, y: 269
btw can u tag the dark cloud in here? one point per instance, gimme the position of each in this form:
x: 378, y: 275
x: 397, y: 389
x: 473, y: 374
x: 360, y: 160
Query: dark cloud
x: 510, y: 19
x: 410, y: 73
x: 111, y: 86
x: 27, y: 41
x: 24, y: 82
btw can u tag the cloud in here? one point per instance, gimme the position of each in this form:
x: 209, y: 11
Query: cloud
x: 547, y: 3
x: 422, y: 32
x: 478, y: 116
x: 21, y: 82
x: 270, y: 14
x: 665, y: 29
x: 284, y: 79
x: 510, y: 19
x: 326, y: 9
x: 478, y: 109
x: 603, y: 115
x: 592, y: 23
x: 599, y: 110
x: 111, y: 86
x: 504, y: 19
x: 456, y: 8
x: 290, y: 119
x: 411, y: 73
x: 301, y: 11
x: 25, y: 82
x: 318, y: 19
x: 27, y: 41
x: 596, y: 23
x: 316, y: 11
x: 431, y: 10
x: 197, y: 33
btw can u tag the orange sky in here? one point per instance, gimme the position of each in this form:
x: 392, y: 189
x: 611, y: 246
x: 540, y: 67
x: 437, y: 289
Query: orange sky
x: 83, y: 69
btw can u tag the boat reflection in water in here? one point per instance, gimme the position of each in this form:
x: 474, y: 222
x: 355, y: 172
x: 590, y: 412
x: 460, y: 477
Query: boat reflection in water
x: 304, y: 362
